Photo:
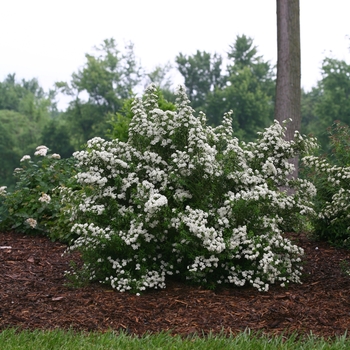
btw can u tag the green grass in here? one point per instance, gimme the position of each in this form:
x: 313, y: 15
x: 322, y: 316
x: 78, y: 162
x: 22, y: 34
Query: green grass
x: 58, y: 339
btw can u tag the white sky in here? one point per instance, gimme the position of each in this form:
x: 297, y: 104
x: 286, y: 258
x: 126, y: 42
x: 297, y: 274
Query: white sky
x: 48, y: 39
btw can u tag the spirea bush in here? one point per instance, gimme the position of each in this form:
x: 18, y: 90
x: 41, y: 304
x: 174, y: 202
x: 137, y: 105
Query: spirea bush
x: 331, y: 176
x: 35, y: 205
x: 183, y: 199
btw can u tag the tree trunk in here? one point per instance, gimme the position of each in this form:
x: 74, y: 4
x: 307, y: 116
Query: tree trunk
x: 288, y: 89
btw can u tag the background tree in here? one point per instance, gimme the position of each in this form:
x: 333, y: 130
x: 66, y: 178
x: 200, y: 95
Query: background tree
x: 55, y: 135
x: 106, y: 80
x: 288, y: 87
x: 161, y: 77
x: 248, y: 90
x: 25, y: 110
x: 310, y: 123
x: 328, y: 102
x: 334, y: 102
x: 202, y: 74
x: 243, y: 53
x: 8, y: 154
x: 26, y: 97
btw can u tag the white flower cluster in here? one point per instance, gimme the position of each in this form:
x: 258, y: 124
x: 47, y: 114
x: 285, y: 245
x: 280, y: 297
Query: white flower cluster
x: 41, y: 151
x: 26, y: 157
x: 45, y: 198
x: 202, y: 263
x: 31, y: 222
x: 183, y: 198
x: 196, y: 222
x: 90, y: 234
x: 122, y: 279
x: 55, y: 156
x: 3, y: 190
x: 155, y: 202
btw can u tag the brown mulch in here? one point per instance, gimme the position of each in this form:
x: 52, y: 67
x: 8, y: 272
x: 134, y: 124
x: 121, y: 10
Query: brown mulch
x: 33, y: 295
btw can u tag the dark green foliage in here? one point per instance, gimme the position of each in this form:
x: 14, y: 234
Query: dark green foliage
x: 331, y: 176
x: 309, y: 120
x: 17, y: 136
x: 202, y: 74
x: 247, y: 87
x: 8, y: 155
x: 56, y: 136
x: 24, y: 111
x: 328, y: 102
x: 35, y: 179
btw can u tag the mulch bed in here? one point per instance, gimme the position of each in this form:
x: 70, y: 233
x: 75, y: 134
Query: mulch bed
x: 33, y: 295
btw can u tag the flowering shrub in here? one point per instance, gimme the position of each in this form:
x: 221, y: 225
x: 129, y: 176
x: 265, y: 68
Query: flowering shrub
x: 184, y: 199
x: 331, y: 176
x: 35, y: 204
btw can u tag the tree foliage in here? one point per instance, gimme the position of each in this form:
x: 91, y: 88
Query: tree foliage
x: 161, y: 77
x: 26, y: 97
x: 108, y: 77
x: 246, y: 87
x: 202, y: 74
x: 327, y: 102
x: 25, y: 109
x: 56, y: 135
x: 248, y: 91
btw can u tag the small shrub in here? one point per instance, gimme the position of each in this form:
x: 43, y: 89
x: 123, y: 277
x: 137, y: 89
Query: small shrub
x: 331, y: 177
x: 35, y: 204
x: 180, y: 198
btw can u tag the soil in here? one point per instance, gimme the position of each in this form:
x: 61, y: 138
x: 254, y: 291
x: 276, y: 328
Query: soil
x: 34, y: 295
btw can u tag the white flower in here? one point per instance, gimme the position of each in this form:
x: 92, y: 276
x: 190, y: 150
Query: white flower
x: 269, y: 168
x: 56, y: 156
x: 41, y: 147
x: 3, y: 190
x: 25, y: 158
x: 45, y: 198
x: 31, y: 222
x: 41, y: 151
x: 156, y: 201
x: 180, y: 194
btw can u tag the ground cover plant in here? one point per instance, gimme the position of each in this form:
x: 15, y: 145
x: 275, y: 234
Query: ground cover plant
x: 183, y: 199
